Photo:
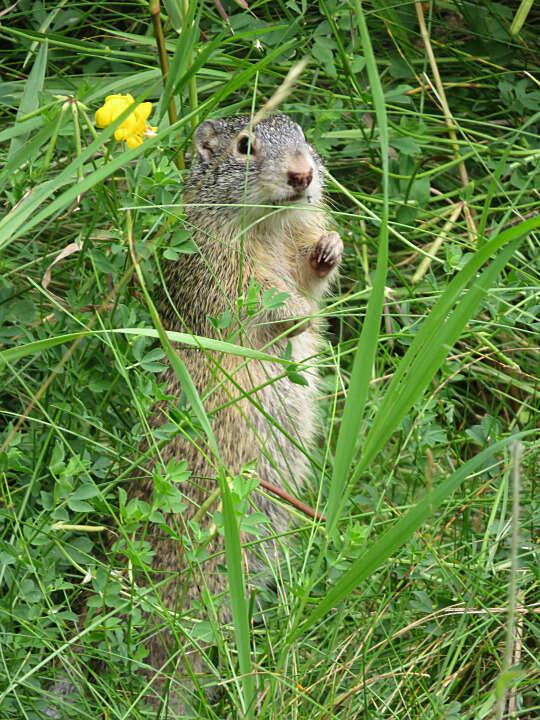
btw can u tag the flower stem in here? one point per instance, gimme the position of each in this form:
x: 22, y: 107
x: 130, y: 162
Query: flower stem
x: 54, y: 138
x: 77, y: 131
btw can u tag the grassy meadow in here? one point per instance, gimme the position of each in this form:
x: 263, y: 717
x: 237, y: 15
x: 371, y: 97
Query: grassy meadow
x: 418, y: 596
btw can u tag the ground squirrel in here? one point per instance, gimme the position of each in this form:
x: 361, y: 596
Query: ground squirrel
x: 254, y: 203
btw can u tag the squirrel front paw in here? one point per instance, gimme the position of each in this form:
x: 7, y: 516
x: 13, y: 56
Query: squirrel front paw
x: 326, y: 254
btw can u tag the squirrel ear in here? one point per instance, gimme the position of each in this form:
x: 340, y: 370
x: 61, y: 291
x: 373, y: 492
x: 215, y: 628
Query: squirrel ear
x: 206, y: 139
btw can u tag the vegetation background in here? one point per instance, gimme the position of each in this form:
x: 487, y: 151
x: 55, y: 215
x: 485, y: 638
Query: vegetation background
x: 419, y: 597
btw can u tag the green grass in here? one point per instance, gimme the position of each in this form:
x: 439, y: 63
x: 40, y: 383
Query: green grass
x: 419, y: 597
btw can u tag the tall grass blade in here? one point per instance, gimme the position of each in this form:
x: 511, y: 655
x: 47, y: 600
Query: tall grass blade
x: 237, y: 591
x: 30, y: 97
x: 439, y: 332
x: 219, y: 346
x: 26, y: 152
x: 521, y: 16
x: 182, y: 57
x: 367, y: 344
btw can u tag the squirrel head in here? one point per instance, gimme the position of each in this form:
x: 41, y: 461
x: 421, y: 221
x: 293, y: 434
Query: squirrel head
x: 261, y: 167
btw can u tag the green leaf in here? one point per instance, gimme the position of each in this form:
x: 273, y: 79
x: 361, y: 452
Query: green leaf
x: 56, y: 464
x: 150, y: 361
x: 272, y: 299
x: 85, y: 492
x: 223, y: 321
x: 181, y: 243
x: 323, y: 50
x: 78, y: 505
x: 398, y: 95
x: 297, y: 378
x: 404, y: 144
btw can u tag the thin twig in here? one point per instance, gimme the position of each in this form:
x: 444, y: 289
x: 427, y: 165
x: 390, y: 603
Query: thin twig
x: 298, y: 504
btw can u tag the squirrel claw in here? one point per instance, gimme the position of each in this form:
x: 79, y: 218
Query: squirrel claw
x: 326, y: 254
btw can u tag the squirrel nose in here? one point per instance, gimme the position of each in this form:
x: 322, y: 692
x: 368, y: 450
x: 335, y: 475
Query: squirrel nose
x: 299, y: 179
x: 299, y: 172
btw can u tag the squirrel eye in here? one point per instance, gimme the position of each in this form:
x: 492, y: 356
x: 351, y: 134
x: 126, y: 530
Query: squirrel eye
x: 243, y: 145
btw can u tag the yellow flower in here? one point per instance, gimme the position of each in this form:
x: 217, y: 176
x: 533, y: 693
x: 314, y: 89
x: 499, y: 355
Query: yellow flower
x: 134, y: 127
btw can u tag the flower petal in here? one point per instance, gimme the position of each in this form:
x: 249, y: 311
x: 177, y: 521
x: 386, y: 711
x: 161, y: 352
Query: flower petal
x: 134, y: 126
x: 133, y: 141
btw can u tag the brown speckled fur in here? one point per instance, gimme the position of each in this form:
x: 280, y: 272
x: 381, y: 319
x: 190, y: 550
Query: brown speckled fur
x: 276, y: 251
